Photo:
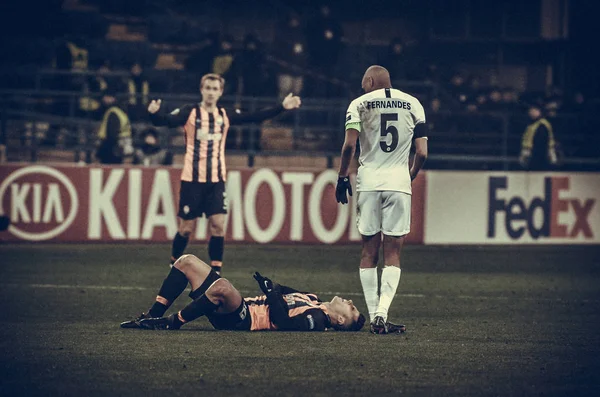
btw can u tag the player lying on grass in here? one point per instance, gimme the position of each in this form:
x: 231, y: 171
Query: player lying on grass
x: 281, y: 308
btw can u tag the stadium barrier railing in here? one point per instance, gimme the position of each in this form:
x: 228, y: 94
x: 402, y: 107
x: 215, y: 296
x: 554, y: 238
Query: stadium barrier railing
x: 316, y: 130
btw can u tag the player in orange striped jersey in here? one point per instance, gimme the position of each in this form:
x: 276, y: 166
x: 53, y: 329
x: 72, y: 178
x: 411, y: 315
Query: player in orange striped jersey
x: 281, y: 308
x: 204, y: 172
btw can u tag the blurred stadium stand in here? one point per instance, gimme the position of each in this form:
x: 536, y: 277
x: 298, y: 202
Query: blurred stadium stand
x: 522, y: 45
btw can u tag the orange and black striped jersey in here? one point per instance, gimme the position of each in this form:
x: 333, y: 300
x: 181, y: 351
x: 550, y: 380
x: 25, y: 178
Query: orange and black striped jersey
x: 205, y: 135
x: 306, y: 313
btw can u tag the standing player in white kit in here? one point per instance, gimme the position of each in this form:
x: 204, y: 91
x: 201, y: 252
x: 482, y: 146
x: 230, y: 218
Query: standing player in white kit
x: 385, y: 121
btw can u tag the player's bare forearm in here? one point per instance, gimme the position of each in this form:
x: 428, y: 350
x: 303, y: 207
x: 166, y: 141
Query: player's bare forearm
x: 420, y: 157
x: 348, y: 150
x: 346, y: 158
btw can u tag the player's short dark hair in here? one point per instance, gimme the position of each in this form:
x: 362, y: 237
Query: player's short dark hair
x: 355, y: 326
x: 358, y: 324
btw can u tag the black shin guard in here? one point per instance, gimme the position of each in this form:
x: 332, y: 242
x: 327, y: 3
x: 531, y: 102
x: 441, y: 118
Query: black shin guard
x: 171, y: 288
x: 216, y: 246
x: 179, y: 244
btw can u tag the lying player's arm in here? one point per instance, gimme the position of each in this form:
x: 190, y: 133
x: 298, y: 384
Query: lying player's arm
x: 279, y: 309
x: 420, y: 134
x: 289, y: 102
x: 176, y: 118
x: 310, y: 320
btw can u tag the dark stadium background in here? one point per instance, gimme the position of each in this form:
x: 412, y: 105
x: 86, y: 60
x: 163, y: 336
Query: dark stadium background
x: 482, y: 319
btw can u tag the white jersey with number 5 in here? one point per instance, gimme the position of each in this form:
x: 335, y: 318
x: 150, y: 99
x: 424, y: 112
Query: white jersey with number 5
x: 385, y: 120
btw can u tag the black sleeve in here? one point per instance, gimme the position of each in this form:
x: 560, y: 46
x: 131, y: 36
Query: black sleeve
x: 420, y: 131
x: 175, y: 118
x: 310, y: 320
x: 255, y: 117
x: 278, y: 309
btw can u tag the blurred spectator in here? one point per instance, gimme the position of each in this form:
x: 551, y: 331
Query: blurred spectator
x: 201, y: 60
x: 138, y: 89
x: 114, y: 133
x: 290, y: 47
x: 473, y: 84
x: 551, y: 109
x: 428, y: 73
x: 575, y: 103
x: 394, y: 60
x: 510, y: 100
x: 324, y: 40
x: 438, y: 119
x: 222, y: 63
x: 473, y: 120
x: 538, y: 144
x: 494, y: 102
x: 251, y: 66
x: 471, y: 107
x: 481, y: 99
x: 94, y: 88
x: 458, y: 89
x: 72, y: 54
x: 150, y: 152
x: 554, y: 93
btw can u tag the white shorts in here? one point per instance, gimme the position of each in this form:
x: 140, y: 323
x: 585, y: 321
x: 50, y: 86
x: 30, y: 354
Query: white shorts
x: 383, y: 211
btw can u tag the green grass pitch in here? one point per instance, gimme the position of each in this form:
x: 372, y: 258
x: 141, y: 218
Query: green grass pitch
x: 481, y: 321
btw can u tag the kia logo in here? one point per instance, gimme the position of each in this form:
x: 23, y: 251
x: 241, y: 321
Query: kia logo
x: 36, y: 202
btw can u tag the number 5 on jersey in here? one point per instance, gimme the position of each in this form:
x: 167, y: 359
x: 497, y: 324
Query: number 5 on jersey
x: 388, y: 130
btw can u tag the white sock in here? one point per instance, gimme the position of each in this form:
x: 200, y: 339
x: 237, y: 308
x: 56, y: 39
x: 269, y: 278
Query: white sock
x: 368, y: 279
x: 390, y: 278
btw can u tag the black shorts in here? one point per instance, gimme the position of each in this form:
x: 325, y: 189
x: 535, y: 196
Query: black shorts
x: 198, y: 198
x: 239, y: 320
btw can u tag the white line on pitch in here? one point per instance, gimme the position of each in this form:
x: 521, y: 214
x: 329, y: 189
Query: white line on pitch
x: 343, y: 294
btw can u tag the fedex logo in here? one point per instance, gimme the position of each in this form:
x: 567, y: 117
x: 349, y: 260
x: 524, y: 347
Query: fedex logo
x: 521, y: 216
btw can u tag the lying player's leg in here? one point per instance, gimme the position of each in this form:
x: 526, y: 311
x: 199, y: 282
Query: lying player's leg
x: 220, y: 298
x: 187, y: 268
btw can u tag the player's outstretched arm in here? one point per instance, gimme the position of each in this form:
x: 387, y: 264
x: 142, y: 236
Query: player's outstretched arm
x: 290, y: 102
x: 158, y: 117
